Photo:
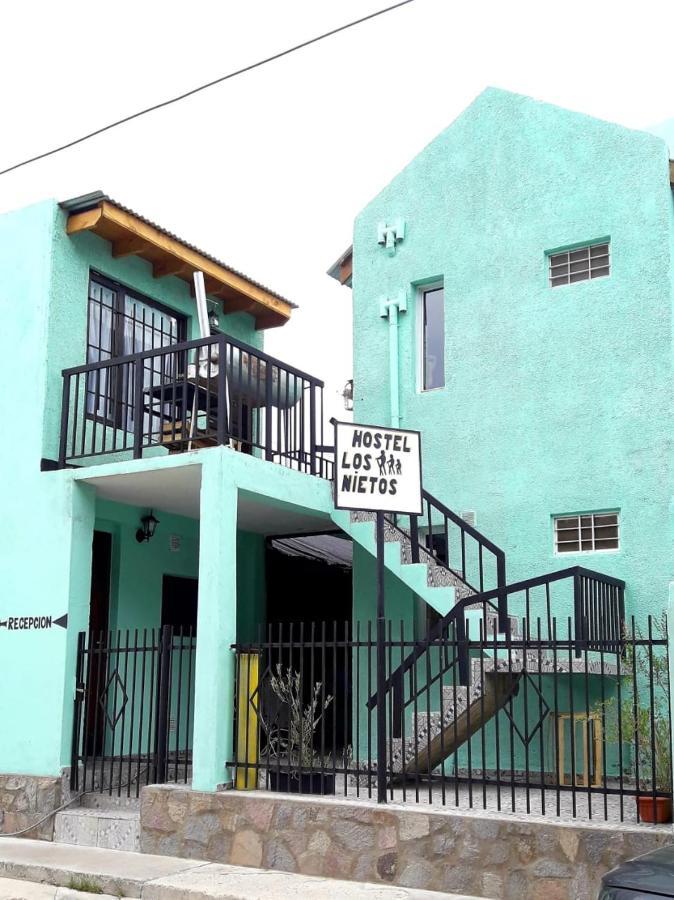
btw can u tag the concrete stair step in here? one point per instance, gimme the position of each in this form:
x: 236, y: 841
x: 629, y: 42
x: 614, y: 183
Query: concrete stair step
x: 112, y: 829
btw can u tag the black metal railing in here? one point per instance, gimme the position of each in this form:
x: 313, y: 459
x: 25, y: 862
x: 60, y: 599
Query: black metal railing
x: 134, y: 710
x: 194, y: 394
x: 594, y: 602
x: 453, y: 543
x: 548, y: 724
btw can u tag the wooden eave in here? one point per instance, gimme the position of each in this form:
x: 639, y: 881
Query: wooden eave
x: 671, y: 172
x: 130, y: 235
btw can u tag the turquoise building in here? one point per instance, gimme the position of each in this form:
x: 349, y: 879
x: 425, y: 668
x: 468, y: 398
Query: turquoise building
x: 522, y: 267
x: 168, y: 505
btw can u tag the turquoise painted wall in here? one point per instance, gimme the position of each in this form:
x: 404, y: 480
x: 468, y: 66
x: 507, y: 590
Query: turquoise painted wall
x: 45, y: 521
x: 555, y: 400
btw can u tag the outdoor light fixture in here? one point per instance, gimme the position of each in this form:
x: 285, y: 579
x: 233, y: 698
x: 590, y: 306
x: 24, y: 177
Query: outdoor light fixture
x: 149, y: 525
x: 347, y: 394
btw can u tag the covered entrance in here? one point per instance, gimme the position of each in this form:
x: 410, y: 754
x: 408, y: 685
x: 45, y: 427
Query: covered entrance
x: 155, y: 661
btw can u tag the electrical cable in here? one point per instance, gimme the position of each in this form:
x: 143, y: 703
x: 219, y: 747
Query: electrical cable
x: 58, y: 809
x: 203, y: 87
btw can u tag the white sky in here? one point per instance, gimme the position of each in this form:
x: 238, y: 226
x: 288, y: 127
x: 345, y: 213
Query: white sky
x: 267, y: 171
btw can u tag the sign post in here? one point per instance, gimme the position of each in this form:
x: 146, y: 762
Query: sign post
x: 378, y: 469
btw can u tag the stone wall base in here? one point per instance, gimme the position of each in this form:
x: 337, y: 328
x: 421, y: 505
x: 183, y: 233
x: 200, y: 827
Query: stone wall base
x: 24, y: 800
x: 474, y: 853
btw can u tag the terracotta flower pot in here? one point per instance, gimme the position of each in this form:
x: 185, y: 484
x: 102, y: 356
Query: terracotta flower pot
x: 656, y: 810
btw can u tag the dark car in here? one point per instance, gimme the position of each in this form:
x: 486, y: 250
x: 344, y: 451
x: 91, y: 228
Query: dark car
x: 644, y: 878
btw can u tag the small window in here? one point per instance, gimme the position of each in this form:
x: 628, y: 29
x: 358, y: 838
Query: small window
x: 432, y: 333
x: 581, y: 264
x: 588, y: 533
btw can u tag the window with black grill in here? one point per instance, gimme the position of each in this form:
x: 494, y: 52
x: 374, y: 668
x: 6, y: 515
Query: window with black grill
x: 121, y: 322
x: 587, y: 533
x: 581, y: 264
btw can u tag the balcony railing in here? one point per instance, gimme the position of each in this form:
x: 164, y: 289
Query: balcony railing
x: 190, y: 395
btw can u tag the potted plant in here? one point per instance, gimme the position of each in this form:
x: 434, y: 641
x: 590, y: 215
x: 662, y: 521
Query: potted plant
x: 292, y: 744
x: 644, y: 728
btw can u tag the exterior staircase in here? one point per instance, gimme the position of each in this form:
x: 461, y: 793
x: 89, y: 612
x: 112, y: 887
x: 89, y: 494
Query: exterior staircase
x: 496, y: 678
x: 439, y: 586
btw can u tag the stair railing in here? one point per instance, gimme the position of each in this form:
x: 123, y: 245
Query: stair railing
x: 595, y: 616
x: 458, y: 546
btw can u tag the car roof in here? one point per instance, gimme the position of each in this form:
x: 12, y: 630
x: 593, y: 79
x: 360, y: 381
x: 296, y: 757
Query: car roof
x: 652, y: 872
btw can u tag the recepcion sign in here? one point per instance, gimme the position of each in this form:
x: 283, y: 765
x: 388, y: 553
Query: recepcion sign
x: 377, y: 468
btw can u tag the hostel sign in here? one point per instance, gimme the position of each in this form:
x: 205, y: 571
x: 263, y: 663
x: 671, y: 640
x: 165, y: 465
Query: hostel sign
x: 377, y: 468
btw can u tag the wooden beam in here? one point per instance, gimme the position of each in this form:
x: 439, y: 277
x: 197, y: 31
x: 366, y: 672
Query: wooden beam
x: 346, y: 269
x: 169, y: 265
x: 671, y: 171
x: 83, y: 221
x: 130, y: 235
x: 194, y: 260
x: 129, y: 246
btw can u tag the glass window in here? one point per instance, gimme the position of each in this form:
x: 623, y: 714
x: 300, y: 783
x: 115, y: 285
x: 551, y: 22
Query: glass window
x: 121, y: 323
x: 433, y: 338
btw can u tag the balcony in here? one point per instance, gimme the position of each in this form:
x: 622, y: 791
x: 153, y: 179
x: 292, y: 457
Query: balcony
x: 195, y: 394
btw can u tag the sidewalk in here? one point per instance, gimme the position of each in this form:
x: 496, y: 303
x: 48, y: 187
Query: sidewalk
x: 39, y: 870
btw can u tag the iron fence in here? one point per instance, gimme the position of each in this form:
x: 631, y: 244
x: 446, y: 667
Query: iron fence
x: 194, y: 394
x: 134, y: 710
x: 536, y: 719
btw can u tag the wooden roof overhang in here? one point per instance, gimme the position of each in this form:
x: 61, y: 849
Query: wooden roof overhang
x: 131, y: 235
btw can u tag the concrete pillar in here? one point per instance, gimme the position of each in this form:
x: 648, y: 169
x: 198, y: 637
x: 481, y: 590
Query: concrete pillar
x: 216, y: 627
x: 80, y: 535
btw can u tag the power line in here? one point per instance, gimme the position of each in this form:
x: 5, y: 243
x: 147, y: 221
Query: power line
x: 203, y: 87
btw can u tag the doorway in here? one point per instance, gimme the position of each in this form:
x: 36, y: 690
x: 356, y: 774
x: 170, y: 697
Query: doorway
x: 179, y: 598
x: 309, y: 602
x: 99, y: 617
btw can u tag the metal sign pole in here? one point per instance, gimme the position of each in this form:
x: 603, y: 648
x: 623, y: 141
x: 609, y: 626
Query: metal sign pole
x: 378, y: 469
x: 381, y: 664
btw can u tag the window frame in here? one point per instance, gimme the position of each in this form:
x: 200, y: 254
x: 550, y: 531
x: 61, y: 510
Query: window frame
x: 574, y: 248
x: 583, y: 515
x: 421, y: 291
x: 121, y: 291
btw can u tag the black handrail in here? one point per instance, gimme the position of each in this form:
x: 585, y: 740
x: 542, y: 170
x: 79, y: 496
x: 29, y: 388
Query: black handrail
x: 194, y: 345
x: 599, y: 615
x: 434, y: 510
x: 183, y: 396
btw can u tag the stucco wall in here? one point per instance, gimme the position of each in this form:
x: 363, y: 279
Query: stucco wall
x: 556, y: 400
x: 42, y: 519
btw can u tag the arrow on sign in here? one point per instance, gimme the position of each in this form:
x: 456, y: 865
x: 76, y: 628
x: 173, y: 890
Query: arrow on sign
x: 33, y: 623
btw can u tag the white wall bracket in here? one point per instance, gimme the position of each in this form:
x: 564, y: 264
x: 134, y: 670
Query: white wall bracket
x: 391, y: 234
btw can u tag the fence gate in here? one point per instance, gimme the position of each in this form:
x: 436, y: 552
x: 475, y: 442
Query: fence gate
x: 134, y: 709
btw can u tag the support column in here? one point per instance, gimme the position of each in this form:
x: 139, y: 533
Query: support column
x: 670, y: 649
x: 80, y: 535
x: 216, y: 627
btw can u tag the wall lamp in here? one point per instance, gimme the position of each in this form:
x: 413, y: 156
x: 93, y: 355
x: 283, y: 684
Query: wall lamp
x: 148, y: 526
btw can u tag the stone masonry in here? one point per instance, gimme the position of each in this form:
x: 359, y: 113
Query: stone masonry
x: 25, y: 799
x: 506, y: 857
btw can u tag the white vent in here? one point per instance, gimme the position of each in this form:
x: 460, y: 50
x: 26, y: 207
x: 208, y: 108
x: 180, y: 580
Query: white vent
x: 174, y: 543
x: 469, y: 517
x: 172, y: 725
